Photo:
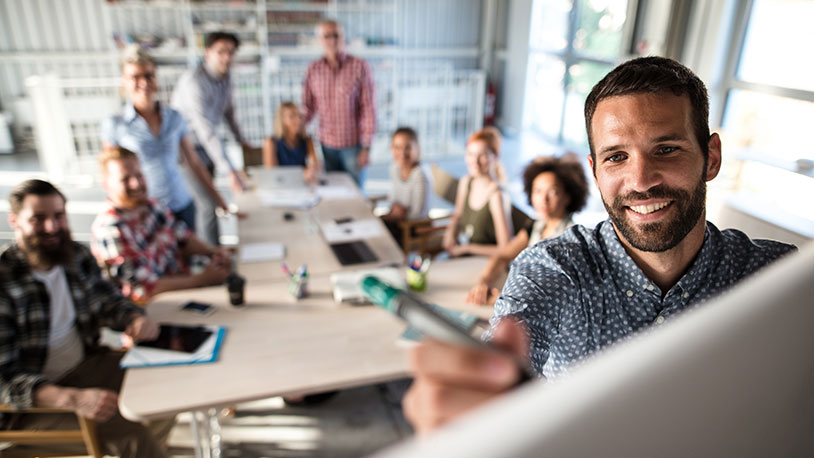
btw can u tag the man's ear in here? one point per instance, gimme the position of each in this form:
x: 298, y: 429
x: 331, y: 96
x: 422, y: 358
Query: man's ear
x: 593, y: 169
x: 12, y: 220
x: 714, y: 159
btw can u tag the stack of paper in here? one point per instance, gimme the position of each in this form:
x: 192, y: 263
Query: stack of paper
x: 336, y: 192
x: 262, y: 252
x: 346, y: 284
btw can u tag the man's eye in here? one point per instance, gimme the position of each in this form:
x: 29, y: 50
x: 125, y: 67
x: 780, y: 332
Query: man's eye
x: 667, y: 149
x: 615, y: 157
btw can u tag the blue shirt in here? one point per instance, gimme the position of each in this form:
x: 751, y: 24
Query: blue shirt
x: 158, y: 155
x: 581, y: 292
x: 287, y: 155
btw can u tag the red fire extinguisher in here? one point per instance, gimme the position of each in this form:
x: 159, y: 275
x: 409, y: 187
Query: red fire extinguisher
x: 490, y: 105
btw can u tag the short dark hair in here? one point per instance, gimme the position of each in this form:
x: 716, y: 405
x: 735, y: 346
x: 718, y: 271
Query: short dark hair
x: 214, y: 37
x: 31, y: 187
x: 568, y: 171
x: 651, y: 75
x: 408, y: 131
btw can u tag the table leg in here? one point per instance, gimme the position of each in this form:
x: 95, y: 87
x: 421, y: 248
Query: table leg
x: 215, y: 436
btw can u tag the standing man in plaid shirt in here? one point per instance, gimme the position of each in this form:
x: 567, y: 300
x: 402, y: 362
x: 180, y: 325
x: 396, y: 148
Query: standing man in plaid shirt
x: 339, y: 89
x: 139, y: 241
x: 53, y: 300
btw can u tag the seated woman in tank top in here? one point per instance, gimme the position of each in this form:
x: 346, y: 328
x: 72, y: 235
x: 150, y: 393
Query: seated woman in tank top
x: 480, y: 224
x: 556, y: 189
x: 290, y: 145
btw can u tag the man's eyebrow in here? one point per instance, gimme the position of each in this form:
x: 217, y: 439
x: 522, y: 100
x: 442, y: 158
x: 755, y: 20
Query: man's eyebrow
x: 608, y: 149
x: 671, y: 138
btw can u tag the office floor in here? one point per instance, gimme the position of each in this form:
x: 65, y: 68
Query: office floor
x: 354, y: 423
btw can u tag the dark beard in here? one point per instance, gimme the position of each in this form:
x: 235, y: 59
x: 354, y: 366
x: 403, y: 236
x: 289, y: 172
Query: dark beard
x: 40, y: 253
x: 661, y: 236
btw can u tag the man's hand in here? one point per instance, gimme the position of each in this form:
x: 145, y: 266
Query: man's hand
x: 458, y: 250
x: 237, y: 181
x: 398, y: 211
x: 482, y: 294
x: 95, y: 403
x: 221, y: 257
x: 363, y: 158
x: 142, y: 329
x: 215, y: 273
x: 451, y: 380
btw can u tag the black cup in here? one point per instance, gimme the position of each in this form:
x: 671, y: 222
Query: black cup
x: 235, y: 284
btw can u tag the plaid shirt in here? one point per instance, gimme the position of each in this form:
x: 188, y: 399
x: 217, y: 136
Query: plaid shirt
x: 25, y: 318
x: 140, y: 246
x: 343, y: 99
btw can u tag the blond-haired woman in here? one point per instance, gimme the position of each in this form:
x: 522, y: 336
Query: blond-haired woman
x: 289, y: 144
x: 158, y: 136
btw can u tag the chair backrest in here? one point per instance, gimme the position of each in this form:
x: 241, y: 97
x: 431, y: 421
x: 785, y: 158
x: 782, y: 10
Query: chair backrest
x: 445, y: 185
x: 519, y: 219
x: 85, y: 434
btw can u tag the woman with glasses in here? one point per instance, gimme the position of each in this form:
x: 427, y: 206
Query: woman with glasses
x: 158, y: 135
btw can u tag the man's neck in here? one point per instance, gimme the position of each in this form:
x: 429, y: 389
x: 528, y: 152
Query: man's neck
x: 146, y: 109
x: 333, y: 59
x: 212, y: 72
x: 666, y: 268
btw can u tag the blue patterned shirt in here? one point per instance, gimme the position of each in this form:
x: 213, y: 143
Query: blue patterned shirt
x: 581, y: 292
x: 158, y: 155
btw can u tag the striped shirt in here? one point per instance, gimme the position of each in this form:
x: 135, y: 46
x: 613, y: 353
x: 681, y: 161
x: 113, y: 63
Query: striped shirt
x: 204, y: 100
x: 342, y: 98
x: 25, y: 318
x: 412, y: 193
x: 139, y: 246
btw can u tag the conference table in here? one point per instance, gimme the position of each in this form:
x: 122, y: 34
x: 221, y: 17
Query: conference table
x: 277, y: 345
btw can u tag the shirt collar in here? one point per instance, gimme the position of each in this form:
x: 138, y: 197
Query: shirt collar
x: 341, y: 58
x: 629, y: 277
x: 17, y: 262
x: 129, y: 112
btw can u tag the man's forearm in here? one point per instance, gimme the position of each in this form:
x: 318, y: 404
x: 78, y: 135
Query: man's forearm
x: 56, y: 397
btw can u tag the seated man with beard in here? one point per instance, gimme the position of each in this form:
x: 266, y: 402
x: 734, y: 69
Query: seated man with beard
x: 53, y: 300
x: 139, y: 241
x: 566, y: 298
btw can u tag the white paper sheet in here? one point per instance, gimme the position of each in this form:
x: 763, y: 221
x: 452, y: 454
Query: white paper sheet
x: 336, y: 192
x: 288, y: 198
x: 353, y: 230
x: 262, y: 252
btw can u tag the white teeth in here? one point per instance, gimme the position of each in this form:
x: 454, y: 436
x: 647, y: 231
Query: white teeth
x: 645, y: 209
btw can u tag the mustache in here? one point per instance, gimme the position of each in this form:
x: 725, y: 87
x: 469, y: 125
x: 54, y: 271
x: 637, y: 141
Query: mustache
x: 656, y: 192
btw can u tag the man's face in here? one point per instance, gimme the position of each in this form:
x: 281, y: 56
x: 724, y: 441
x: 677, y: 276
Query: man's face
x: 140, y: 82
x: 41, y: 229
x: 220, y: 55
x: 331, y: 39
x: 125, y: 184
x: 650, y: 168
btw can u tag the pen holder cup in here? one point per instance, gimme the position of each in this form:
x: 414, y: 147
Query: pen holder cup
x: 417, y: 281
x: 298, y: 286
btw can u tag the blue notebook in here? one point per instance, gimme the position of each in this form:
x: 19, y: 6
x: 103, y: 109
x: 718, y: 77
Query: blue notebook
x: 150, y: 356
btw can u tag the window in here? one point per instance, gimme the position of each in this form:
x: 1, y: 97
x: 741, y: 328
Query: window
x: 770, y: 88
x: 573, y: 44
x: 769, y: 108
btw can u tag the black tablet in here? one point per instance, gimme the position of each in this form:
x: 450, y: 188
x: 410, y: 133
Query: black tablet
x: 173, y: 337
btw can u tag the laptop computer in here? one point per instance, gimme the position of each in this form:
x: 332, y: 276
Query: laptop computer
x: 350, y: 253
x: 280, y: 177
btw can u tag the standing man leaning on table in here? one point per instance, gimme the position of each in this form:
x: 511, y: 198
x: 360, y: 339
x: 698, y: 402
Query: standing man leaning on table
x: 203, y: 96
x: 53, y: 300
x: 568, y: 297
x: 338, y: 88
x: 140, y: 242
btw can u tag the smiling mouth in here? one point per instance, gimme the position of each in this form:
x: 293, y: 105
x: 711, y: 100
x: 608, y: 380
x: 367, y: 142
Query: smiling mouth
x: 647, y: 209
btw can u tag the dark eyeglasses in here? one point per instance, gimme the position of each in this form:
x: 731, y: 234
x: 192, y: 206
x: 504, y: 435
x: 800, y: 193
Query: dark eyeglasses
x: 331, y: 35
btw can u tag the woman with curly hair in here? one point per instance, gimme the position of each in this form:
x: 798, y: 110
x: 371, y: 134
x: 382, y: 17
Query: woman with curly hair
x: 556, y: 189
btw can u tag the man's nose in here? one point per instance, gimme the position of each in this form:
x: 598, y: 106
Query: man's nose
x: 644, y: 173
x: 51, y: 225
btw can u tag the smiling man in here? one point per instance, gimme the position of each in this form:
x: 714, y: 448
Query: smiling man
x: 656, y: 256
x: 53, y: 301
